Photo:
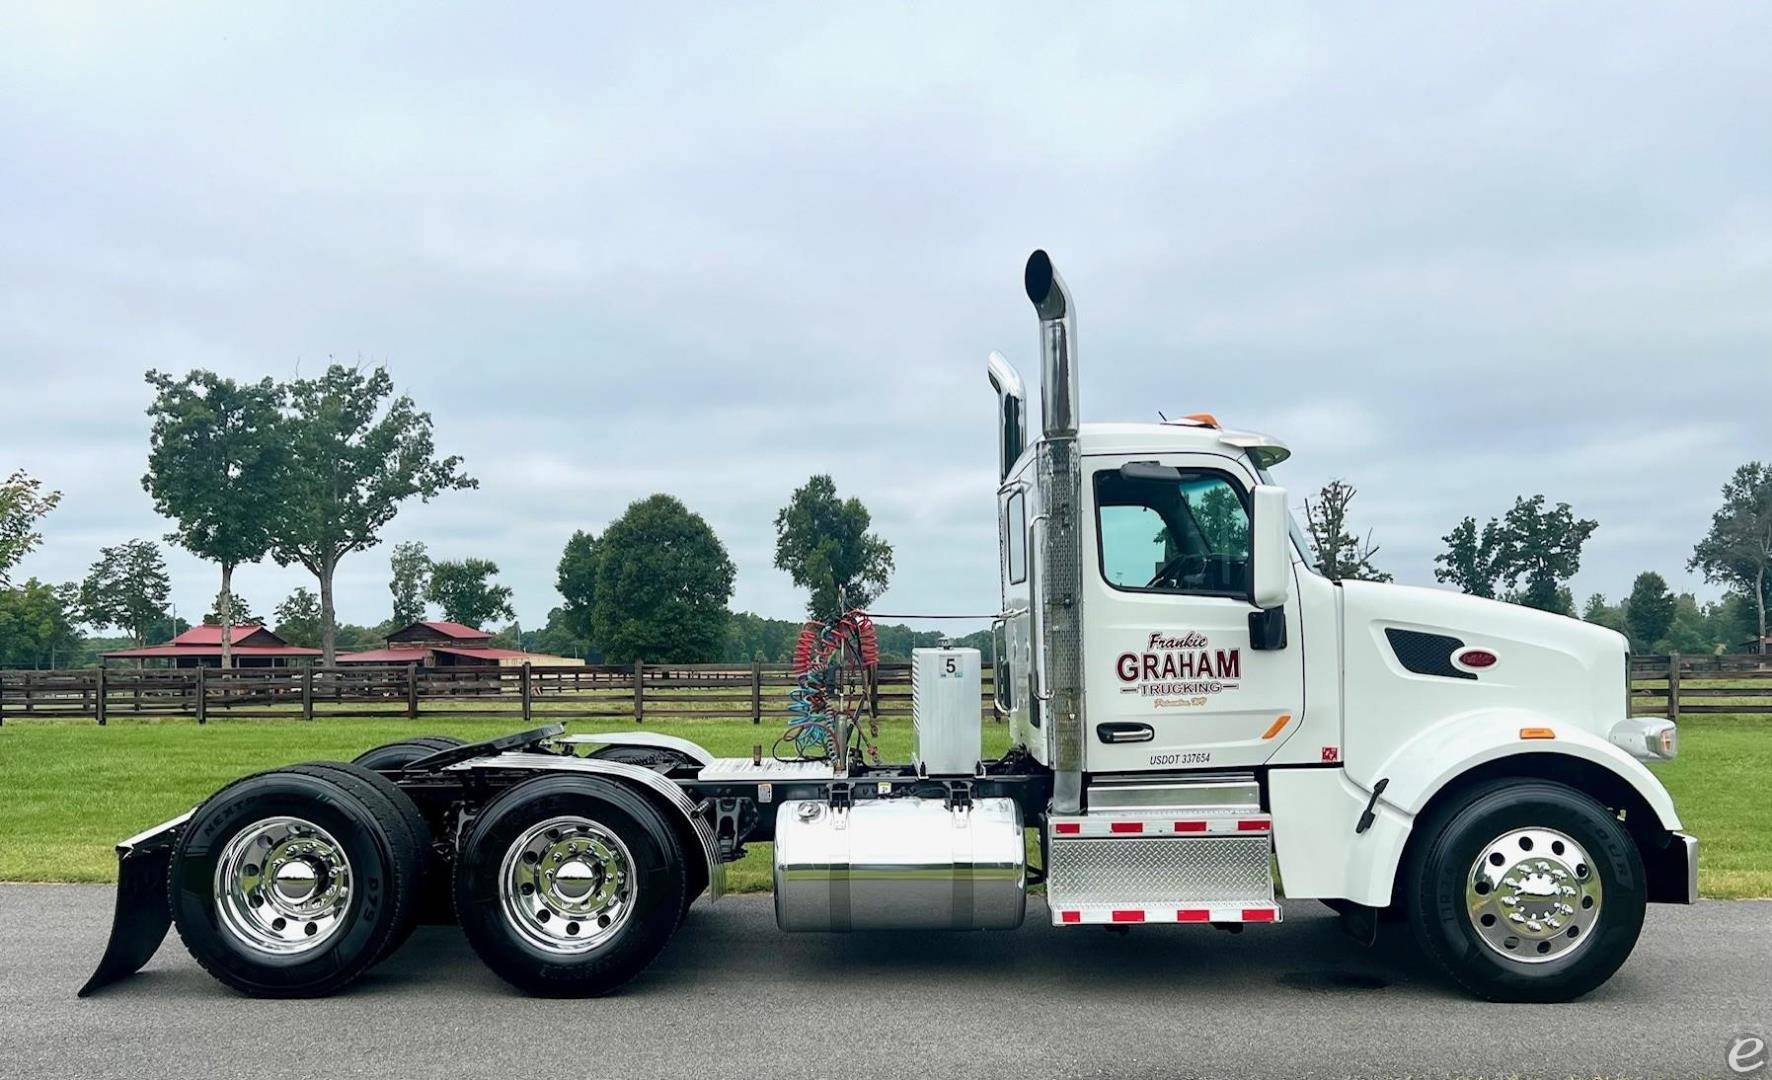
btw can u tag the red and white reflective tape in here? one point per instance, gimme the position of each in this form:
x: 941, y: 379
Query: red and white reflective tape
x: 1098, y: 825
x: 1108, y: 914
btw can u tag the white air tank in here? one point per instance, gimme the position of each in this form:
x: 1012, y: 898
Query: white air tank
x: 946, y: 711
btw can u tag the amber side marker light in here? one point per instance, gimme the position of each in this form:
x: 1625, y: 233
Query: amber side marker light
x: 1537, y: 733
x: 1278, y: 726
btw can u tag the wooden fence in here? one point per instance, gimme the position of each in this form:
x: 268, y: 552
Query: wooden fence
x: 1660, y: 686
x: 635, y: 693
x: 1676, y: 686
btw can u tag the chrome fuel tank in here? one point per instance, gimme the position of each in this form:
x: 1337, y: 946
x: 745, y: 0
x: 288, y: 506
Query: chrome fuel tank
x: 900, y: 864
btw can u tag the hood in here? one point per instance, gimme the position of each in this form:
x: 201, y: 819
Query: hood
x: 1401, y: 646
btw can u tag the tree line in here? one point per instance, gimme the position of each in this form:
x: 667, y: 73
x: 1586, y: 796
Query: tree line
x: 310, y: 471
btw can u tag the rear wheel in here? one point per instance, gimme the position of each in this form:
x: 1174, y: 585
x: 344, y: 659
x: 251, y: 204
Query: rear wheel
x: 1527, y: 891
x: 431, y: 887
x: 568, y: 886
x: 292, y: 883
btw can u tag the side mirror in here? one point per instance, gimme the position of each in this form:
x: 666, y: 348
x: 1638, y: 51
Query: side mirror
x: 1270, y: 561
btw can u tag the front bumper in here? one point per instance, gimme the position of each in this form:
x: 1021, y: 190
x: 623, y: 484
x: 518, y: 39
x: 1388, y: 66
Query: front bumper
x: 1673, y: 871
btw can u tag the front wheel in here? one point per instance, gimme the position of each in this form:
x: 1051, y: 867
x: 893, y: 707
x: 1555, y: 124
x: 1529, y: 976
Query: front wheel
x: 1526, y: 891
x: 568, y: 886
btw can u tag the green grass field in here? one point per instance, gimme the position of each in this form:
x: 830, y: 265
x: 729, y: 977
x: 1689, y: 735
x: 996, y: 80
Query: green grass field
x: 69, y: 791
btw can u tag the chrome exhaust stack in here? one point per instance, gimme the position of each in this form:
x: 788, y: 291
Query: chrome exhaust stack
x: 1012, y: 411
x: 1057, y: 680
x: 1058, y: 345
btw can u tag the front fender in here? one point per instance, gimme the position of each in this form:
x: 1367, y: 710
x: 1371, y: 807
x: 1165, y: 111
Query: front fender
x: 1421, y: 767
x: 1328, y: 847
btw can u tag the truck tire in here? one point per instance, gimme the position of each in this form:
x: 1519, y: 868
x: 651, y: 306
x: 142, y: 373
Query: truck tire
x: 568, y: 886
x: 662, y: 759
x: 398, y: 755
x: 291, y: 883
x: 1526, y: 891
x: 430, y: 889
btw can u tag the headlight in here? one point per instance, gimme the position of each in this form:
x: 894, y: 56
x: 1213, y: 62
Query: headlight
x: 1647, y: 738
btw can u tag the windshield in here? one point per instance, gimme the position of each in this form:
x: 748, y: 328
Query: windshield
x: 1299, y: 539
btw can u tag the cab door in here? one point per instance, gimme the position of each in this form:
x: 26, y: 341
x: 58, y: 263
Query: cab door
x: 1012, y: 638
x: 1173, y: 680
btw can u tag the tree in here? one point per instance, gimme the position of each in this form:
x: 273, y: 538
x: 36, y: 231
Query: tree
x: 1542, y: 548
x: 23, y: 502
x: 127, y: 589
x: 411, y: 567
x: 824, y: 544
x: 464, y: 590
x: 1470, y: 559
x: 1600, y: 613
x: 216, y: 463
x: 1650, y: 613
x: 560, y: 638
x: 1738, y: 549
x: 298, y: 619
x: 756, y: 638
x: 37, y: 628
x: 662, y: 582
x: 240, y: 613
x: 359, y: 452
x: 576, y: 578
x: 1340, y: 554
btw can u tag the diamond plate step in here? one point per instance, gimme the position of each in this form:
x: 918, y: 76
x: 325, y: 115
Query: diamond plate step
x: 1160, y: 867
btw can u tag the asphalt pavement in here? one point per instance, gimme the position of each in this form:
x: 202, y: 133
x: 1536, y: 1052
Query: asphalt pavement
x: 734, y: 997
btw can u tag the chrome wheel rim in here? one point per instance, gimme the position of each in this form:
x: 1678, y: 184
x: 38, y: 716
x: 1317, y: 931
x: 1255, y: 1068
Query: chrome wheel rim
x: 567, y: 885
x: 1533, y: 895
x: 282, y: 886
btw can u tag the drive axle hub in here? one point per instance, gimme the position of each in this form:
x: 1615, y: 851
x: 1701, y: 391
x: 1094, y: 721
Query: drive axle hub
x: 567, y: 884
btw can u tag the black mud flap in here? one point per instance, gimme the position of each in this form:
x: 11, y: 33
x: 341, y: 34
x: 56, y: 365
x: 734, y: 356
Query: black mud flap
x: 143, y: 913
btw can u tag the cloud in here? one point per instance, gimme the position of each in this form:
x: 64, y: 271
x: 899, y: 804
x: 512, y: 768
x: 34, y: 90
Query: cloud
x: 1451, y: 255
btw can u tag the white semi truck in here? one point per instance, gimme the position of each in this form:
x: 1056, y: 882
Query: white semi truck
x: 1200, y: 723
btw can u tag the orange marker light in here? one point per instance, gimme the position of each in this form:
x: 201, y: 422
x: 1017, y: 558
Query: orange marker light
x: 1279, y: 725
x: 1203, y: 418
x: 1537, y: 733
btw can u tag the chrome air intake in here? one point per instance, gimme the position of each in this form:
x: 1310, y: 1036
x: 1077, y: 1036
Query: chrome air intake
x: 1060, y: 578
x: 1012, y: 411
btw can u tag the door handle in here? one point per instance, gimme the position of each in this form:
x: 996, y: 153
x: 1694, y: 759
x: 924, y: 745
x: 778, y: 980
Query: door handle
x: 1124, y: 733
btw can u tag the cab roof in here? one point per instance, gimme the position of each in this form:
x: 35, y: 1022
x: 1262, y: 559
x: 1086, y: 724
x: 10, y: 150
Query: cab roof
x: 1190, y: 433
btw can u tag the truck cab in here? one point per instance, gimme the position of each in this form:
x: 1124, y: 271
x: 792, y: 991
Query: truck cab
x: 1166, y: 637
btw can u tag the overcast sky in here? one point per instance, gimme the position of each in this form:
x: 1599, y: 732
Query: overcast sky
x: 1451, y: 255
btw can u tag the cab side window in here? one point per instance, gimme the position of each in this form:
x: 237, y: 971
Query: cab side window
x: 1015, y: 524
x: 1183, y: 532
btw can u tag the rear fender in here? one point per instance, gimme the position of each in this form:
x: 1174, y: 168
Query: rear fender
x: 697, y: 833
x: 690, y: 750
